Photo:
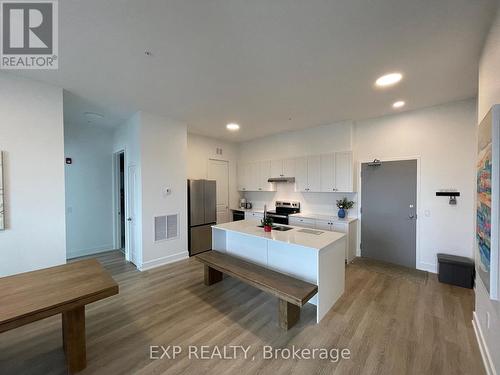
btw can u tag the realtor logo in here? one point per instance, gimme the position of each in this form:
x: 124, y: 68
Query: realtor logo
x: 29, y: 34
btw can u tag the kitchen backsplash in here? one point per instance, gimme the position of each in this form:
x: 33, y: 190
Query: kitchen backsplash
x: 319, y: 203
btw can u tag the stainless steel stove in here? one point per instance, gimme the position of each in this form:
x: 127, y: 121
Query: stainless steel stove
x: 283, y: 209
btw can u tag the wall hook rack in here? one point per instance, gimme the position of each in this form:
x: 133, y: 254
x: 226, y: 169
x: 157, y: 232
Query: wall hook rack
x: 452, y: 194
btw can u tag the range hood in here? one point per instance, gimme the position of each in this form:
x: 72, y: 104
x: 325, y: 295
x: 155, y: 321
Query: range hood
x: 281, y: 179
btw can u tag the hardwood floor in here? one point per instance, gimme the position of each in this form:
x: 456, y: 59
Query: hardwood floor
x: 390, y: 324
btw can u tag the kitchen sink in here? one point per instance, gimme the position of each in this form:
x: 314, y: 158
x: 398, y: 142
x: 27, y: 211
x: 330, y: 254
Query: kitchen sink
x: 279, y: 228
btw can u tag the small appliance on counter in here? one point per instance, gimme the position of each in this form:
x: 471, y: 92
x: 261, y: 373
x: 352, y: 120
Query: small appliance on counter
x: 283, y: 209
x: 243, y: 203
x: 248, y: 205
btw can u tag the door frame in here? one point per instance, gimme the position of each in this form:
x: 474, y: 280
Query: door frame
x: 419, y: 265
x: 228, y: 182
x: 116, y: 200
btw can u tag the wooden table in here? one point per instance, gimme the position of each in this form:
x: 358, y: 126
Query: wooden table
x: 65, y: 290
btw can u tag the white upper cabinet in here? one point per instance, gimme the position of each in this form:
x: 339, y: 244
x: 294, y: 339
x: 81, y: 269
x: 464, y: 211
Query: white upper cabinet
x: 328, y: 173
x: 289, y: 168
x: 264, y: 174
x: 277, y: 168
x: 315, y: 173
x: 253, y: 176
x: 344, y: 171
x: 308, y: 174
x: 242, y: 176
x: 301, y: 174
x: 283, y: 168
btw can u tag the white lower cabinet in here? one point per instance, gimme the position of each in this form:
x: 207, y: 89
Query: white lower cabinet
x: 302, y: 222
x: 349, y: 228
x: 324, y: 225
x: 258, y: 216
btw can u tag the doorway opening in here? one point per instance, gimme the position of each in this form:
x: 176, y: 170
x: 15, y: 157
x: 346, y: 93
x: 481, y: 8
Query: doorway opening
x: 389, y: 192
x: 120, y: 196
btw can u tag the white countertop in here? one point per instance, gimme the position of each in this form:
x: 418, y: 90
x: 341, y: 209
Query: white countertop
x: 326, y: 217
x: 294, y: 236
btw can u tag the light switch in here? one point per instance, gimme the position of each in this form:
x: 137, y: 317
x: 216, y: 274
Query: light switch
x: 167, y: 191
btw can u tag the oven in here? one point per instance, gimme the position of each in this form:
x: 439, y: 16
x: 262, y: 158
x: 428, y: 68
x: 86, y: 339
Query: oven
x: 283, y: 209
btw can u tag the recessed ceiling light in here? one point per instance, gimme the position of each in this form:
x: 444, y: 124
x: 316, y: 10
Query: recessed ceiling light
x: 232, y: 126
x: 148, y: 53
x: 388, y: 79
x: 398, y: 104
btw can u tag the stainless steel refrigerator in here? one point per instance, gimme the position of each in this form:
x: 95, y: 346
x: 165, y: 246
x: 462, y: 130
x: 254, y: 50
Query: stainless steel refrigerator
x: 202, y: 208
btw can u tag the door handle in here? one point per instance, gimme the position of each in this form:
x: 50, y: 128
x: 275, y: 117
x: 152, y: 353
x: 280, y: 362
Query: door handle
x: 412, y: 214
x: 129, y: 219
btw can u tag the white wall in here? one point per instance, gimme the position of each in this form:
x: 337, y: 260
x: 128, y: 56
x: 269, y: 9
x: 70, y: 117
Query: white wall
x: 31, y: 134
x: 489, y: 94
x: 489, y: 78
x: 89, y: 184
x: 201, y: 149
x: 163, y: 165
x: 311, y: 141
x: 444, y: 139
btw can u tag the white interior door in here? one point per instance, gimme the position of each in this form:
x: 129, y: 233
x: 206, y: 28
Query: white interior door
x: 218, y: 170
x: 131, y: 239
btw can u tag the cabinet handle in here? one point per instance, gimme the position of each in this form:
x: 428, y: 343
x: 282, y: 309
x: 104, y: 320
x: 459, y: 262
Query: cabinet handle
x: 260, y: 188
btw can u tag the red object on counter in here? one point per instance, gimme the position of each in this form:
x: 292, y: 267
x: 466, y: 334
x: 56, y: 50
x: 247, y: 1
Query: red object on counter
x: 267, y: 228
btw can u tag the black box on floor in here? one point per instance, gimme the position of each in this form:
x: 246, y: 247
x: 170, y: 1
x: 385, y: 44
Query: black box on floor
x: 456, y: 270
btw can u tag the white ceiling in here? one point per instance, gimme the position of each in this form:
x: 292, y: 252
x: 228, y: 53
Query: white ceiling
x: 268, y: 65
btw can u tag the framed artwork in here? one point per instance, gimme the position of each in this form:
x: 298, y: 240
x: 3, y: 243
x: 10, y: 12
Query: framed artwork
x: 2, y: 215
x: 487, y: 202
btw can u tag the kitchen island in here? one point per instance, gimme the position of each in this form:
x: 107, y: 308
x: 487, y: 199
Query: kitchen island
x: 314, y: 256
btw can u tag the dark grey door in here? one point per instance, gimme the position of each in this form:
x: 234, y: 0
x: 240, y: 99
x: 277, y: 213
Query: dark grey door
x: 389, y: 206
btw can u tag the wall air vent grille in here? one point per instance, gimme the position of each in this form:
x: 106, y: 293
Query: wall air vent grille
x: 166, y: 227
x: 172, y: 226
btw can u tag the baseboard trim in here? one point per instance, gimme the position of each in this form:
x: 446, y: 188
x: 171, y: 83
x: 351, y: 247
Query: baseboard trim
x: 483, y: 348
x: 150, y: 264
x: 429, y: 267
x: 89, y: 251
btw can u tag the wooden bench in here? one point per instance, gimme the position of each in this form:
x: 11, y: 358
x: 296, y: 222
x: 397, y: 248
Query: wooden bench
x: 292, y: 293
x: 65, y: 290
